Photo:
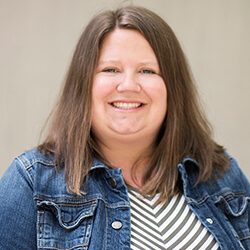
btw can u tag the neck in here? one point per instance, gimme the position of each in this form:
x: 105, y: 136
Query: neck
x: 126, y: 156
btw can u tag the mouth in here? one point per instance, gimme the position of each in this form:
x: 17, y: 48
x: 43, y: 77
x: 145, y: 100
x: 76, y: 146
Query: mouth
x: 126, y: 105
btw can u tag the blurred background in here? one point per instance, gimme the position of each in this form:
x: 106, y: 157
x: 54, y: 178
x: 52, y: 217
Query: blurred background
x: 37, y: 39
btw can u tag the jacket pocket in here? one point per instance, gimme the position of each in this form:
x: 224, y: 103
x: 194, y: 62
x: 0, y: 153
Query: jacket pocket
x: 237, y: 211
x: 64, y: 225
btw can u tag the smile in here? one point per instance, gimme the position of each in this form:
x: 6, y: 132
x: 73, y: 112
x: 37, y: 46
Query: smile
x: 126, y: 105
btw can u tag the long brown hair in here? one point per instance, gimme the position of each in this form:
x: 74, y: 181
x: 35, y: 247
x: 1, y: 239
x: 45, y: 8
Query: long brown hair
x: 184, y: 132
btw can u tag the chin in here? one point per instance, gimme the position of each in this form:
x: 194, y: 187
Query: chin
x: 128, y: 130
x: 126, y: 133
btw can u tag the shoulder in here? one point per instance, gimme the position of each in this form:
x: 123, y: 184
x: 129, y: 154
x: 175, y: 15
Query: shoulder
x: 234, y: 177
x: 38, y: 170
x: 34, y: 163
x: 30, y: 158
x: 232, y: 181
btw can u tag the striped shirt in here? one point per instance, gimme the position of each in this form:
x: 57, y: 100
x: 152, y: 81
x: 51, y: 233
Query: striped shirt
x: 171, y: 225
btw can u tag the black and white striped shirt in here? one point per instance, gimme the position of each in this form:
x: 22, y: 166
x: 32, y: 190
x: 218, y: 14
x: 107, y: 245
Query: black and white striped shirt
x: 171, y: 225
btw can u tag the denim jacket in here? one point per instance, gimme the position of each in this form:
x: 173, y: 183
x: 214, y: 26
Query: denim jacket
x: 37, y: 211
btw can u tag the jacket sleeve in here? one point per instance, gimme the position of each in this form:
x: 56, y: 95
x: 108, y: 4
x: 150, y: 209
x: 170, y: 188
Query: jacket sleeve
x: 17, y: 210
x: 243, y: 181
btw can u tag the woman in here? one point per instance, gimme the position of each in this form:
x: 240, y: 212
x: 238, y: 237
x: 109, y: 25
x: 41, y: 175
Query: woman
x: 129, y: 162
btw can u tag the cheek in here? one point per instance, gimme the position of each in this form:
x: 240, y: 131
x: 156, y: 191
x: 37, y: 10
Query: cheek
x: 158, y: 95
x: 157, y: 91
x: 102, y: 87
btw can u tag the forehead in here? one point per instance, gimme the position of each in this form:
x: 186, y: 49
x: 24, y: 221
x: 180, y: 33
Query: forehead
x: 124, y: 41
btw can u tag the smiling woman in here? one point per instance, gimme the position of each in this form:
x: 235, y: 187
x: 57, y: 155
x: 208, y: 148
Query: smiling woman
x: 129, y: 161
x: 129, y: 100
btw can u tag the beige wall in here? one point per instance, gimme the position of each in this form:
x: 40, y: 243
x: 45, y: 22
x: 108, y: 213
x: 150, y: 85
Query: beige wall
x: 37, y: 38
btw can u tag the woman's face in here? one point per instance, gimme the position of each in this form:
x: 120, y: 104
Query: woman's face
x: 129, y: 96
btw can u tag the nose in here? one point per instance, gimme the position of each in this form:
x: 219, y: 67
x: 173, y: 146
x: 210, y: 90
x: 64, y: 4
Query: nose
x: 128, y: 82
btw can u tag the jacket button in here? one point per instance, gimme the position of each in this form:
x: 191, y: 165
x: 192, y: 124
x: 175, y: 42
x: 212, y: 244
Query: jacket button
x: 116, y: 225
x: 209, y: 220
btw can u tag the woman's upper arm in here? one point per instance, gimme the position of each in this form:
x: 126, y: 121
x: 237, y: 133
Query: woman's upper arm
x: 17, y: 209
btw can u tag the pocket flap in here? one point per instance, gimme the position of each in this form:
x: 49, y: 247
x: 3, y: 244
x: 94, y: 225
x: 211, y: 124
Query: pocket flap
x: 69, y: 215
x: 234, y: 205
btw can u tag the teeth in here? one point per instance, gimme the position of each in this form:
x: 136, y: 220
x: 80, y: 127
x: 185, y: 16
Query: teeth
x: 126, y: 105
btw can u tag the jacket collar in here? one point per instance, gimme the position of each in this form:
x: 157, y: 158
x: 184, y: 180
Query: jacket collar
x: 188, y: 168
x: 97, y: 164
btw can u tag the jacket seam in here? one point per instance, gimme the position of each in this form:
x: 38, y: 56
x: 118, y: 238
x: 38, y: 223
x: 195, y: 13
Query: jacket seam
x: 21, y: 168
x: 29, y: 163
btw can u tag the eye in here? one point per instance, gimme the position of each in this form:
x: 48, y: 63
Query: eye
x: 147, y: 71
x: 110, y: 70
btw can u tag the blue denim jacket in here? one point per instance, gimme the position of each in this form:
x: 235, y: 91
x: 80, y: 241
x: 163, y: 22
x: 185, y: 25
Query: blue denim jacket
x: 37, y: 212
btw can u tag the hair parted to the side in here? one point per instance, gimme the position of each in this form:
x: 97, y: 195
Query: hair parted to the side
x: 184, y: 132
